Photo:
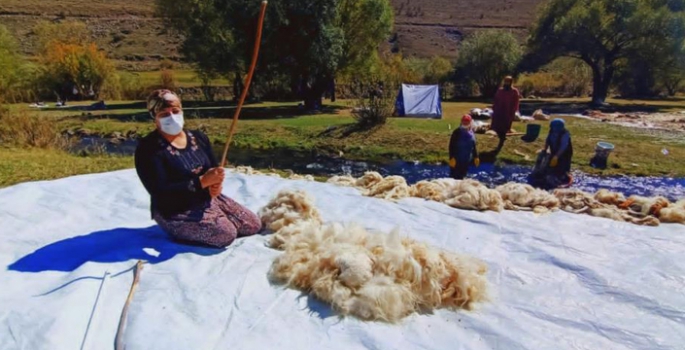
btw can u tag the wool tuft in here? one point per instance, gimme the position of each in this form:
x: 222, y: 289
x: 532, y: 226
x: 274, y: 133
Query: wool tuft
x: 372, y: 276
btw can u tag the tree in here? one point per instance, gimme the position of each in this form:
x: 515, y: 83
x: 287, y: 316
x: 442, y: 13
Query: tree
x: 83, y: 68
x: 603, y: 33
x: 10, y: 66
x: 365, y: 24
x: 306, y: 43
x: 486, y: 58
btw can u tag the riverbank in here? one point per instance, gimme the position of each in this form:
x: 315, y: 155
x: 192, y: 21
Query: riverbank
x: 277, y: 128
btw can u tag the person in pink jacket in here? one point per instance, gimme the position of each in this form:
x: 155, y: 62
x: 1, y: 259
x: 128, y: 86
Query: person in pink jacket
x: 505, y: 106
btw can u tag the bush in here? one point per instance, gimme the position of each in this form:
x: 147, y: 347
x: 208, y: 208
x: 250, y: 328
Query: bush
x: 167, y: 80
x: 124, y: 86
x: 526, y: 87
x: 375, y: 105
x: 563, y: 77
x: 23, y: 130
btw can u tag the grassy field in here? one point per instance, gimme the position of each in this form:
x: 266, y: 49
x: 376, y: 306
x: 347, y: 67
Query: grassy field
x: 183, y: 78
x: 20, y: 165
x: 276, y: 126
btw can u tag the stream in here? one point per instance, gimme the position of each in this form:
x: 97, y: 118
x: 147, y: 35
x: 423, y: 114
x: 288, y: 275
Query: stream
x: 413, y: 171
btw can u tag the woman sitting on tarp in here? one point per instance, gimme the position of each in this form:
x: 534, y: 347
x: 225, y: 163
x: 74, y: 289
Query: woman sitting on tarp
x: 553, y: 165
x: 184, y: 180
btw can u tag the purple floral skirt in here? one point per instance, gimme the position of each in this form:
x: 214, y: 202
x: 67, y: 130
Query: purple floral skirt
x: 216, y: 223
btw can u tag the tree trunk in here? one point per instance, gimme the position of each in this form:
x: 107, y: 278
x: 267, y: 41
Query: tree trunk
x: 237, y: 86
x: 601, y: 81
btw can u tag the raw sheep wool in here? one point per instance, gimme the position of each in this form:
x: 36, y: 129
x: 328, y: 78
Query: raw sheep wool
x: 431, y: 190
x: 287, y: 214
x: 390, y: 188
x: 369, y: 179
x: 372, y: 276
x: 347, y: 181
x: 517, y: 196
x: 607, y: 197
x: 473, y: 195
x: 247, y: 170
x: 643, y: 206
x: 294, y: 176
x: 579, y: 202
x: 373, y: 184
x: 673, y: 213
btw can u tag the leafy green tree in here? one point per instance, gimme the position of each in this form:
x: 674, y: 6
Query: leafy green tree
x: 304, y: 43
x: 486, y: 58
x: 365, y: 24
x: 10, y: 66
x: 603, y: 33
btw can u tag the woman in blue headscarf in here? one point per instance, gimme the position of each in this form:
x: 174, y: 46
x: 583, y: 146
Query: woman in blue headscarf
x: 560, y: 147
x: 554, y: 163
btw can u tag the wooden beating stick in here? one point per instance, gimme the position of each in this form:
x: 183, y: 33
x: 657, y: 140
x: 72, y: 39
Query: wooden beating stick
x: 248, y: 80
x: 119, y: 341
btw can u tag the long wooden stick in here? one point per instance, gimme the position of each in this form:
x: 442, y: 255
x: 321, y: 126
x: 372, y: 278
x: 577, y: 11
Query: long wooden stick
x: 119, y: 341
x: 248, y: 80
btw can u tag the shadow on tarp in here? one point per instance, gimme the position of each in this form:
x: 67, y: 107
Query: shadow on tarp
x: 110, y: 246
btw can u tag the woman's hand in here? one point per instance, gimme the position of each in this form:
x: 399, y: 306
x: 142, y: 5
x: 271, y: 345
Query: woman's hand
x: 212, y: 177
x: 215, y: 190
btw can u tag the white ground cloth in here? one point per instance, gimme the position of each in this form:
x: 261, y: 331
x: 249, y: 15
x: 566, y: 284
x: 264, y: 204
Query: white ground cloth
x: 557, y: 281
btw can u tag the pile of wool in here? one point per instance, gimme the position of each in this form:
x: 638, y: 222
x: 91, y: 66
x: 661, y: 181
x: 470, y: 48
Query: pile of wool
x: 287, y: 214
x: 608, y: 197
x: 390, y: 188
x: 643, y: 206
x: 294, y: 176
x: 539, y: 115
x: 472, y: 195
x: 517, y: 196
x: 462, y: 194
x: 372, y: 276
x: 432, y: 190
x: 579, y: 202
x: 369, y: 179
x: 674, y: 213
x: 373, y: 184
x: 344, y: 180
x: 248, y: 170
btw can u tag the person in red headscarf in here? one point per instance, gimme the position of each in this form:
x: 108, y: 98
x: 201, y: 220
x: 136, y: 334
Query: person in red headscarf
x: 505, y: 106
x: 462, y: 149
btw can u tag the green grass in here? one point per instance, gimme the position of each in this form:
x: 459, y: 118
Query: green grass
x: 21, y: 165
x: 183, y: 78
x: 275, y: 126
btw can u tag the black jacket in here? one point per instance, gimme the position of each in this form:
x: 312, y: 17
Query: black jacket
x: 172, y: 176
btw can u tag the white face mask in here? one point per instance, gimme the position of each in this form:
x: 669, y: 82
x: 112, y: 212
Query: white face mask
x: 172, y: 125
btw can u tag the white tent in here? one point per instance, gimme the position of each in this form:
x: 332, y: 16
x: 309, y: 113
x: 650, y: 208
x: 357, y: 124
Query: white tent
x: 419, y: 101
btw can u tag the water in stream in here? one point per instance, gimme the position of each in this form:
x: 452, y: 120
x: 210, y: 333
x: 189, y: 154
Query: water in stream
x: 314, y: 164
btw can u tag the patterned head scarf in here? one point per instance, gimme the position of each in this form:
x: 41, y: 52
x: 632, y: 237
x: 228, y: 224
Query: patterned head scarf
x: 161, y: 99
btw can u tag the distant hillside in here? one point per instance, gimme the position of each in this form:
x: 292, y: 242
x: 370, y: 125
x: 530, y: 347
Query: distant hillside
x: 435, y: 27
x: 131, y: 34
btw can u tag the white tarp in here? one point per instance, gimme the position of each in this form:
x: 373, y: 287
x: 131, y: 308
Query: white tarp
x: 419, y: 101
x: 557, y: 281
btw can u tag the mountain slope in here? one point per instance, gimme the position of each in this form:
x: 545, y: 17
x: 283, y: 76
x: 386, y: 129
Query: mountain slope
x: 131, y: 34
